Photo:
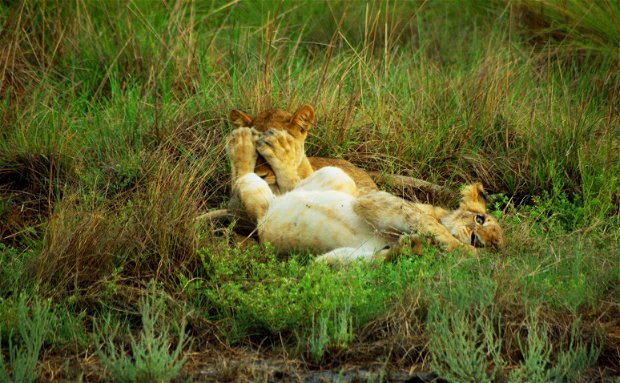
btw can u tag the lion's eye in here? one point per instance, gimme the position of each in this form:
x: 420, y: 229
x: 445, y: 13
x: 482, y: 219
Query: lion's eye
x: 480, y: 219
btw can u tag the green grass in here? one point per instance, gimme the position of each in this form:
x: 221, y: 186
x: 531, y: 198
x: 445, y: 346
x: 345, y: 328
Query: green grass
x: 112, y: 124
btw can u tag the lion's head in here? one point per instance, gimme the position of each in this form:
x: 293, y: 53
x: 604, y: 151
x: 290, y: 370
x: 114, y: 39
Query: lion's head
x: 296, y: 124
x: 471, y: 224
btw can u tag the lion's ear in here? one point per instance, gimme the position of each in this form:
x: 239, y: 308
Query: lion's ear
x: 474, y: 199
x: 304, y: 117
x: 240, y: 119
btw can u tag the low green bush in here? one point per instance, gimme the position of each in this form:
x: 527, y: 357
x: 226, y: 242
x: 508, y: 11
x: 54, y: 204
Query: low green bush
x: 150, y: 357
x: 32, y: 324
x: 260, y: 294
x: 538, y: 364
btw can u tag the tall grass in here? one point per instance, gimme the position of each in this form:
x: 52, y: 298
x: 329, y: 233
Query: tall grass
x: 112, y: 123
x: 584, y: 28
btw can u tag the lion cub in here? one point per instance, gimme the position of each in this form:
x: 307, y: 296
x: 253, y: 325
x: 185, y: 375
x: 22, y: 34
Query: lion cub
x: 285, y: 132
x: 325, y: 213
x: 297, y: 125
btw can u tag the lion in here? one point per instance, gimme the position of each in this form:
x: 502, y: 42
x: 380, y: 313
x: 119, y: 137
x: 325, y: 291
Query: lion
x: 297, y: 125
x: 327, y: 214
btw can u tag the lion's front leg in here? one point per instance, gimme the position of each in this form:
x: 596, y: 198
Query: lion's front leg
x: 388, y: 213
x: 284, y: 154
x: 428, y: 225
x: 251, y: 195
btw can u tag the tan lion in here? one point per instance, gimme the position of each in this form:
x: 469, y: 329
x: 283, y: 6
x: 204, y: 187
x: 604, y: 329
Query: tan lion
x: 325, y: 213
x: 297, y: 125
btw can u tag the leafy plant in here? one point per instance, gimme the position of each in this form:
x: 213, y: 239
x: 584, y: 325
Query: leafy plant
x: 538, y: 364
x: 150, y: 358
x: 461, y: 344
x: 33, y: 325
x: 257, y: 293
x: 334, y: 329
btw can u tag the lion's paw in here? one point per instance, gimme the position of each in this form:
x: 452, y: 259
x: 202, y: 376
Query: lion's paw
x: 241, y: 150
x: 463, y: 247
x: 280, y: 149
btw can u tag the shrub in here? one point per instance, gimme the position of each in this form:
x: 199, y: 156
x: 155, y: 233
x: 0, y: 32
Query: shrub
x: 256, y: 293
x: 33, y: 325
x: 150, y: 358
x: 538, y: 363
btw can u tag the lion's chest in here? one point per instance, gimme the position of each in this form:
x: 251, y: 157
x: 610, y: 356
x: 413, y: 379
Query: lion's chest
x: 315, y: 221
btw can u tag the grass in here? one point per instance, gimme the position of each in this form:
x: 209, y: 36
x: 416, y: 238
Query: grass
x: 112, y: 123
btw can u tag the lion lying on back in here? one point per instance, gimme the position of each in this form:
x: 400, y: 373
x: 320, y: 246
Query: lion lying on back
x: 297, y: 126
x: 326, y: 213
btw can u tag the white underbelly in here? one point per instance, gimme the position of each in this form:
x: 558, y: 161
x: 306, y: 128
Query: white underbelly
x: 317, y: 221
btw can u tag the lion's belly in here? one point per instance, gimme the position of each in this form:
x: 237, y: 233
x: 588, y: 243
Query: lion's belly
x: 317, y: 221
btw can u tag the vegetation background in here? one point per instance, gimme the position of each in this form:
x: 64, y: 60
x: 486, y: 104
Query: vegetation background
x: 112, y: 122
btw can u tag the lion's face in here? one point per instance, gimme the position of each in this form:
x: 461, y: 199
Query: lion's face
x: 471, y: 224
x: 478, y: 230
x: 297, y: 125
